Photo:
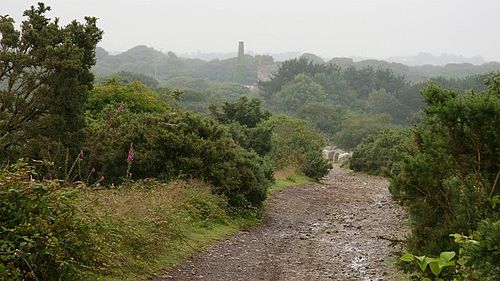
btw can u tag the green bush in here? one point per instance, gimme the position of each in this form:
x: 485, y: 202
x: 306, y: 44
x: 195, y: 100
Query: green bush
x: 244, y: 119
x: 135, y: 96
x: 482, y: 257
x: 175, y: 145
x: 170, y: 144
x: 380, y: 154
x: 357, y: 127
x: 450, y: 166
x: 43, y: 235
x: 293, y: 143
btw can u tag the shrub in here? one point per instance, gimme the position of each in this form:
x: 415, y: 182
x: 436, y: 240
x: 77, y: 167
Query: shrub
x: 170, y: 144
x: 357, y: 127
x: 135, y: 96
x: 175, y: 145
x: 295, y: 144
x: 482, y: 255
x: 380, y: 154
x: 244, y: 119
x: 449, y: 171
x: 43, y: 235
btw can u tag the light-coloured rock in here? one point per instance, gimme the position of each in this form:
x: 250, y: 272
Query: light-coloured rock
x: 336, y: 155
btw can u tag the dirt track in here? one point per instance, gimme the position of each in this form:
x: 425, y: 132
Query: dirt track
x: 338, y: 230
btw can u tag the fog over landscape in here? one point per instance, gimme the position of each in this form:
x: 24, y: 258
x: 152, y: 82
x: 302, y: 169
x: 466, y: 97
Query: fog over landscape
x: 177, y: 140
x: 380, y: 29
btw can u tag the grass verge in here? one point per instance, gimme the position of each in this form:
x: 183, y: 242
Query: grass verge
x: 287, y: 178
x: 144, y: 228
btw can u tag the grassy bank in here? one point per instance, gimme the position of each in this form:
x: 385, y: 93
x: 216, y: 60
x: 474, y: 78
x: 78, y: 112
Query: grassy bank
x: 287, y: 178
x: 146, y: 227
x: 130, y: 232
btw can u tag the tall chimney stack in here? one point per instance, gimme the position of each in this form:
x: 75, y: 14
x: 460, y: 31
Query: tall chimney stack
x: 241, y: 50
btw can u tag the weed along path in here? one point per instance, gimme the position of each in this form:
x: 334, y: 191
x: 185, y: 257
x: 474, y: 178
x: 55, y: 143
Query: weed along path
x: 339, y: 230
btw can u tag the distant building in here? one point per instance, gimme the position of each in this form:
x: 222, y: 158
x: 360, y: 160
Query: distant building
x: 241, y: 50
x: 266, y: 67
x: 239, y: 70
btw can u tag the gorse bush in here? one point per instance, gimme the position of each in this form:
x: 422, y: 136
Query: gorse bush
x: 449, y: 170
x: 170, y: 144
x: 293, y: 143
x: 244, y: 119
x: 138, y: 97
x: 380, y: 154
x: 43, y: 235
x: 356, y: 127
x: 480, y: 252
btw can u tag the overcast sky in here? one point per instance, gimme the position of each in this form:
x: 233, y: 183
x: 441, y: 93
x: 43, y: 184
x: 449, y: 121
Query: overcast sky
x: 368, y: 28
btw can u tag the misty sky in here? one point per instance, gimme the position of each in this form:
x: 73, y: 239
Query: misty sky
x: 368, y: 28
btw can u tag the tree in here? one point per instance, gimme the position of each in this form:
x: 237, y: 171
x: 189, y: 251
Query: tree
x: 44, y: 77
x: 326, y: 117
x: 128, y: 76
x: 244, y: 118
x: 380, y: 154
x: 288, y: 71
x: 380, y: 101
x: 244, y: 111
x: 313, y: 58
x: 301, y: 90
x: 356, y: 127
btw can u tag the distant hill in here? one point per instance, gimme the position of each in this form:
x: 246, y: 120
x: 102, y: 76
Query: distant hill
x: 424, y: 72
x: 161, y: 66
x: 278, y: 57
x: 165, y: 66
x: 429, y: 59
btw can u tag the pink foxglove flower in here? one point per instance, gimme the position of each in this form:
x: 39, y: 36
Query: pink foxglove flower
x: 80, y: 155
x: 121, y: 108
x: 130, y: 156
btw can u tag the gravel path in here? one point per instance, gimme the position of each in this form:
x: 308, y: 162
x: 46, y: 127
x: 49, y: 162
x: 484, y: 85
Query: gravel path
x: 339, y: 230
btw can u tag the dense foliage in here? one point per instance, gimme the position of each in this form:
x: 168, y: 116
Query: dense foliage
x: 43, y: 235
x: 348, y: 103
x: 449, y: 173
x: 52, y: 232
x: 380, y: 154
x: 244, y: 120
x: 163, y: 66
x: 295, y: 144
x: 417, y: 74
x: 479, y: 252
x: 168, y: 144
x: 44, y: 79
x: 134, y: 130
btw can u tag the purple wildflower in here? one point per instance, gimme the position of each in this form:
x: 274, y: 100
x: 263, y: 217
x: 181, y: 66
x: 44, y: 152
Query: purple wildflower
x: 93, y: 170
x: 130, y: 156
x: 80, y: 155
x: 121, y: 108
